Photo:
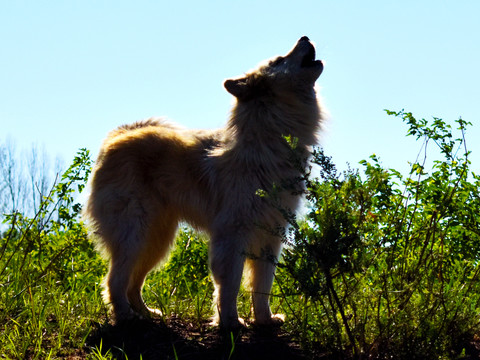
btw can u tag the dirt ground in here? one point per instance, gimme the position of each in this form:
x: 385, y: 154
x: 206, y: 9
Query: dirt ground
x: 184, y: 340
x: 178, y: 339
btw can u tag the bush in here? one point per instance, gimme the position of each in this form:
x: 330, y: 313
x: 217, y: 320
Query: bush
x: 385, y: 264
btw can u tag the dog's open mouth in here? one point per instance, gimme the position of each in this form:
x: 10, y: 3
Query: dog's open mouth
x: 309, y: 59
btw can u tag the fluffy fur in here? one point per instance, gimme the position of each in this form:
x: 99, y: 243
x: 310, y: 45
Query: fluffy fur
x: 151, y: 175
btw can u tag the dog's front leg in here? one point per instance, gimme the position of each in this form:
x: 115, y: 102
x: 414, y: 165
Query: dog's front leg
x: 226, y: 261
x: 261, y: 274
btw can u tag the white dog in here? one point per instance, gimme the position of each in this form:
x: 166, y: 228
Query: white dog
x: 151, y: 175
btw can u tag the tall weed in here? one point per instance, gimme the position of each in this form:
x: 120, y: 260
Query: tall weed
x: 49, y: 274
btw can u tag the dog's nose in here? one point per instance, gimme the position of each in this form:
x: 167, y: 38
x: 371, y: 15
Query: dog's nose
x: 304, y: 38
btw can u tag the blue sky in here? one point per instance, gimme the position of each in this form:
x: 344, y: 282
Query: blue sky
x: 71, y: 71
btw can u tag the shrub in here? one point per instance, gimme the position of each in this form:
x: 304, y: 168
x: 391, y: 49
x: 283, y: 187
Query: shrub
x: 385, y: 264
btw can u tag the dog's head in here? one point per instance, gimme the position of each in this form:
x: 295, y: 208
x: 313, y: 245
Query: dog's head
x: 294, y: 73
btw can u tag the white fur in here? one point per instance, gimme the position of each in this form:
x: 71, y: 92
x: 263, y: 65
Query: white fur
x: 151, y: 175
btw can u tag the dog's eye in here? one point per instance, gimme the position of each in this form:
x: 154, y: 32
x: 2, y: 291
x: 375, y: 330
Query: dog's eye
x: 277, y: 61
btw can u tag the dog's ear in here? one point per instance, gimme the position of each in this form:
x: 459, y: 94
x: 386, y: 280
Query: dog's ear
x: 238, y: 87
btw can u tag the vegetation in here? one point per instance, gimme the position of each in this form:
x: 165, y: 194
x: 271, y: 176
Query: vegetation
x: 388, y: 265
x: 49, y: 275
x: 381, y: 266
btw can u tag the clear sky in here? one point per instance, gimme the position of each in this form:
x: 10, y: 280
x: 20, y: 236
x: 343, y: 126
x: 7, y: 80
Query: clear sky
x: 70, y: 71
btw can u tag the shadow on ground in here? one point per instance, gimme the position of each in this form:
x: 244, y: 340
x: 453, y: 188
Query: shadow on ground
x: 175, y: 339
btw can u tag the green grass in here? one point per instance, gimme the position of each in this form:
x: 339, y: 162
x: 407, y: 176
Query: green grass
x: 382, y: 265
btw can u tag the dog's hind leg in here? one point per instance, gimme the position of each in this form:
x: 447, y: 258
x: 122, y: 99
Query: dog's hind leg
x: 124, y: 238
x: 121, y: 264
x: 156, y: 246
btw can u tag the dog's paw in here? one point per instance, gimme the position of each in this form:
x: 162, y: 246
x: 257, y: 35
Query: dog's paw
x: 126, y: 316
x: 274, y: 321
x: 231, y: 325
x: 132, y: 314
x: 277, y: 319
x: 152, y: 312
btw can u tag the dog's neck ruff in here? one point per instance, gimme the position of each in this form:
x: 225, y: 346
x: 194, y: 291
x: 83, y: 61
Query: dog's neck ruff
x: 283, y: 120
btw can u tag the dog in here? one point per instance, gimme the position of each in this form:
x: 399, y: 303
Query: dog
x: 151, y: 175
